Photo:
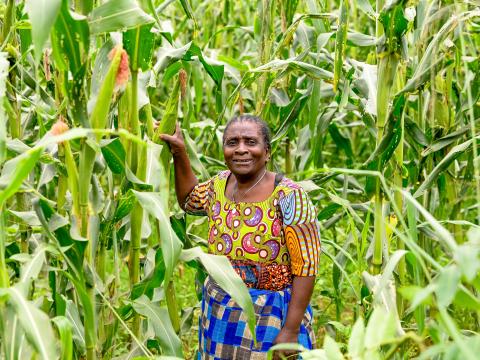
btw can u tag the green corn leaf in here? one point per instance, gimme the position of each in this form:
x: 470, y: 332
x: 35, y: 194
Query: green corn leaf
x: 160, y: 321
x: 137, y: 183
x: 415, y: 133
x: 64, y: 328
x: 125, y: 205
x: 188, y: 52
x: 443, y: 165
x: 14, y: 341
x: 392, y: 135
x: 341, y: 141
x: 32, y: 268
x: 70, y: 39
x: 42, y: 15
x: 289, y: 112
x: 328, y: 211
x: 15, y: 171
x: 447, y: 285
x: 28, y: 217
x: 380, y: 328
x: 332, y: 350
x: 355, y: 344
x: 188, y: 10
x: 429, y: 61
x: 445, y: 141
x: 34, y: 322
x: 171, y: 245
x: 366, y: 7
x: 71, y: 313
x: 153, y: 280
x: 117, y: 15
x: 90, y: 325
x: 292, y: 64
x: 114, y: 154
x: 215, y: 71
x: 58, y: 231
x: 139, y: 44
x: 166, y: 56
x: 340, y: 40
x: 193, y: 156
x: 220, y: 269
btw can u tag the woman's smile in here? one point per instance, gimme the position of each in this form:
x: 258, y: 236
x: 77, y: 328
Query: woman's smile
x: 242, y: 161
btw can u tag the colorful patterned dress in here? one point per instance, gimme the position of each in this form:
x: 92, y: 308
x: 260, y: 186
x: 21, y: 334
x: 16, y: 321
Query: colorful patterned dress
x: 268, y: 243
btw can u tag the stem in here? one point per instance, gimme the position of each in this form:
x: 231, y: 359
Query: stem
x: 62, y: 183
x: 379, y: 230
x: 8, y: 20
x: 387, y: 67
x: 266, y: 41
x: 288, y: 157
x: 417, y: 274
x: 4, y: 280
x: 136, y: 215
x: 398, y: 181
x: 87, y: 159
x: 72, y: 178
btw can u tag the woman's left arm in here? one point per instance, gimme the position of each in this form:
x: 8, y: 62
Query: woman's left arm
x: 302, y: 289
x: 302, y: 236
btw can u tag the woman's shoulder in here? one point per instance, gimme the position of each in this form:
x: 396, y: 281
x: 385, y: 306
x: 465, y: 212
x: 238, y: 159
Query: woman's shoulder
x: 287, y: 186
x: 221, y: 175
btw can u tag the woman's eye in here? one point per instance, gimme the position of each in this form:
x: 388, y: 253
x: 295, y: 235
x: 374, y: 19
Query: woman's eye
x: 251, y: 142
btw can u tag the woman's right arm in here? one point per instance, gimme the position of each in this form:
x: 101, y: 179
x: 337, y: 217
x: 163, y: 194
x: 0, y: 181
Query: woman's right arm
x: 185, y: 179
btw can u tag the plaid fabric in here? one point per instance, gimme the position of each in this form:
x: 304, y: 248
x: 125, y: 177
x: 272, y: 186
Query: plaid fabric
x: 223, y: 330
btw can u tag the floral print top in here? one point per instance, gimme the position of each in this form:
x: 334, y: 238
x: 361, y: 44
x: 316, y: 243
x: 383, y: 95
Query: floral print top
x: 267, y: 242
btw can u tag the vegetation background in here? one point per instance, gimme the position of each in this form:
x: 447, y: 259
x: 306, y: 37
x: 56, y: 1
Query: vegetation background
x: 374, y: 109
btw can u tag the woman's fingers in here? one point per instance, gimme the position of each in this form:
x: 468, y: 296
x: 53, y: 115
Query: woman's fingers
x: 168, y: 138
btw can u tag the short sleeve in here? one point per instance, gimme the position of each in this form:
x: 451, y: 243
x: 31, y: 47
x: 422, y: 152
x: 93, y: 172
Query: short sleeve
x: 302, y: 232
x: 197, y: 201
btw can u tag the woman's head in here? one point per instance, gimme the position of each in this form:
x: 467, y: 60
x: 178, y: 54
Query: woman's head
x: 262, y: 126
x: 246, y: 145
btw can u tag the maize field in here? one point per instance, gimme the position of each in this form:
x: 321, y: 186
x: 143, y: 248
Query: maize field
x: 374, y: 110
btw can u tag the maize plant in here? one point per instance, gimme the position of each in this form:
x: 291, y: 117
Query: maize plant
x: 374, y: 109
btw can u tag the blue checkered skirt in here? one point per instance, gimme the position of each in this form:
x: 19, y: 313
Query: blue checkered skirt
x: 223, y: 330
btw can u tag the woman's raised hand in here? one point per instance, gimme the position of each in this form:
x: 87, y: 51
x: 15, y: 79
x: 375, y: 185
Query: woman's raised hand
x: 175, y: 141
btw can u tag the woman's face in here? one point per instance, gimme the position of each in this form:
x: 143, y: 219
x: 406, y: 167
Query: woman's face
x: 244, y: 150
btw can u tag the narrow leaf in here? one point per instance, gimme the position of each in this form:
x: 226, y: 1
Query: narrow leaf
x: 220, y: 269
x: 42, y: 15
x: 170, y: 243
x: 15, y: 171
x: 160, y: 321
x: 35, y: 323
x: 116, y: 15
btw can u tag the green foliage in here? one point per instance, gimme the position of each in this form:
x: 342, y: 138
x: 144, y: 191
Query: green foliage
x: 376, y: 105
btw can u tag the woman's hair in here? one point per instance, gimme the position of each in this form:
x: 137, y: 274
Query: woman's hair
x: 264, y: 129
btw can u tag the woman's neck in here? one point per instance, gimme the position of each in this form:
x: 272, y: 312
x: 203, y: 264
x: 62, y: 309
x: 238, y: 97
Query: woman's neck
x: 245, y: 182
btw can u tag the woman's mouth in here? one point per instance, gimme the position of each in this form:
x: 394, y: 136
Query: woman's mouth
x: 242, y: 161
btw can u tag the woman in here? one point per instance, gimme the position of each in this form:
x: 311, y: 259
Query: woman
x: 267, y: 227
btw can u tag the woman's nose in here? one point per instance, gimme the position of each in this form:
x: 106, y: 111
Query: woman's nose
x: 241, y: 148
